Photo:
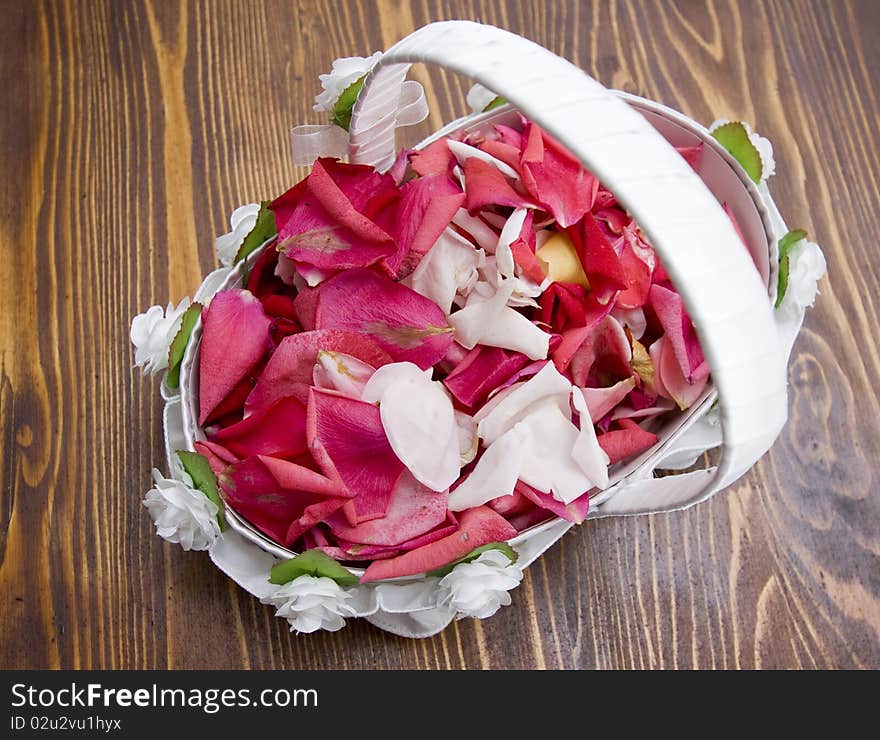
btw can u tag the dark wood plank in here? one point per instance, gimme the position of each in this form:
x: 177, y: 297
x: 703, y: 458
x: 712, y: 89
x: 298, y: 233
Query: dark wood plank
x: 131, y: 129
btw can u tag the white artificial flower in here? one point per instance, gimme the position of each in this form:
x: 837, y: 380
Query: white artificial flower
x: 152, y: 333
x: 343, y: 74
x: 806, y: 267
x: 761, y: 143
x: 182, y: 514
x: 311, y: 603
x: 480, y: 588
x: 241, y: 222
x: 479, y: 97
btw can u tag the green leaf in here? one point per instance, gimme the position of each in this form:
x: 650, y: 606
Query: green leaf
x: 786, y: 244
x: 345, y: 102
x: 734, y: 137
x: 264, y: 229
x: 496, y: 102
x: 178, y: 344
x: 203, y: 478
x: 511, y: 554
x: 312, y: 563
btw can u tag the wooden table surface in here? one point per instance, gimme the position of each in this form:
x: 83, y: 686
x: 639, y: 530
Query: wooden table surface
x: 131, y: 129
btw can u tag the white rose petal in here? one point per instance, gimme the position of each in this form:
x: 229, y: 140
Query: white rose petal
x: 548, y: 383
x: 152, y: 333
x: 479, y: 97
x: 419, y: 421
x: 182, y: 514
x: 495, y: 474
x: 481, y: 587
x: 806, y: 267
x: 241, y: 222
x: 450, y: 268
x: 343, y: 74
x: 311, y: 603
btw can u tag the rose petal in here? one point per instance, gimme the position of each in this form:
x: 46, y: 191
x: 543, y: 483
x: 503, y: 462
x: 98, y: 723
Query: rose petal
x: 627, y: 441
x: 672, y: 382
x: 341, y: 372
x: 600, y: 261
x: 419, y: 422
x: 426, y: 207
x: 448, y: 268
x: 559, y: 455
x: 480, y: 232
x: 434, y: 159
x: 547, y: 384
x: 279, y: 430
x: 575, y: 512
x: 329, y: 227
x: 414, y: 510
x: 486, y: 186
x: 289, y: 371
x: 253, y: 491
x: 235, y: 336
x: 463, y: 152
x: 670, y: 310
x: 600, y: 401
x: 482, y: 370
x: 495, y: 474
x: 554, y: 178
x: 477, y: 527
x: 348, y: 442
x: 406, y: 325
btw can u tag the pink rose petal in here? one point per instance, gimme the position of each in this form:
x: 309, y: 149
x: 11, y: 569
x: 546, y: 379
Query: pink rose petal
x: 348, y: 442
x: 600, y: 401
x: 670, y: 310
x: 406, y: 325
x: 668, y: 377
x: 627, y: 441
x: 575, y: 512
x: 289, y: 371
x: 414, y: 510
x: 478, y: 526
x: 338, y: 371
x: 235, y: 336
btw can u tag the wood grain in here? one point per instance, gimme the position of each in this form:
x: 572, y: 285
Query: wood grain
x: 132, y: 129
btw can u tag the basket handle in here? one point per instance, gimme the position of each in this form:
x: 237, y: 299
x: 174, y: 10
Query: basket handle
x: 695, y: 239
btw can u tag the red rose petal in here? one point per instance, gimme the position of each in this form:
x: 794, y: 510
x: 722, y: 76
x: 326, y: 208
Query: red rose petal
x: 487, y: 186
x: 555, y: 179
x: 279, y: 430
x: 427, y: 205
x: 481, y: 371
x: 434, y: 159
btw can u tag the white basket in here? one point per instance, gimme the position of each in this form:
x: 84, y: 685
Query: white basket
x: 627, y: 142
